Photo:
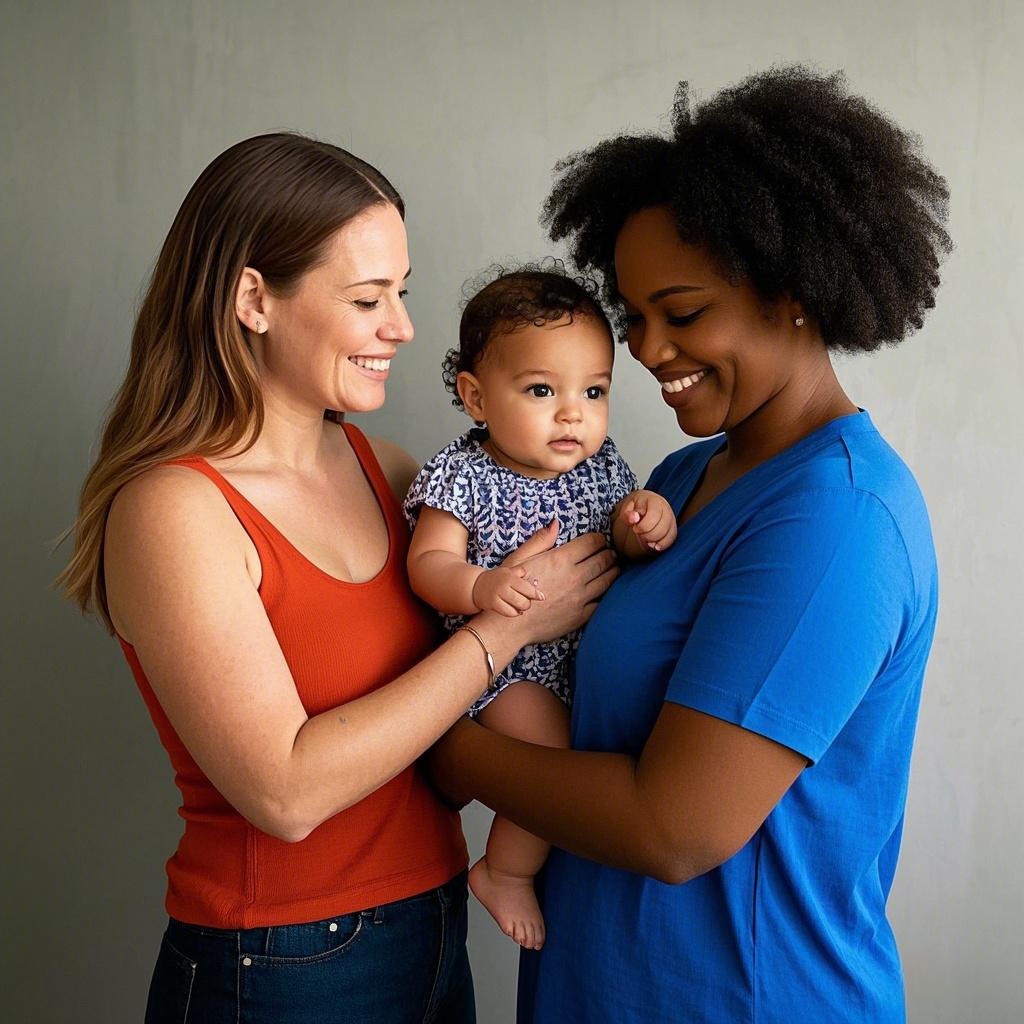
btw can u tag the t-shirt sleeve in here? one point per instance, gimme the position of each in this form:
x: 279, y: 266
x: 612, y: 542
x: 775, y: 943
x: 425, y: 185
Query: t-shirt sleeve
x: 806, y: 607
x: 446, y: 483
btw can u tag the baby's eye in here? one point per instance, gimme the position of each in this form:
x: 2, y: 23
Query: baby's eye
x: 540, y: 390
x: 595, y: 392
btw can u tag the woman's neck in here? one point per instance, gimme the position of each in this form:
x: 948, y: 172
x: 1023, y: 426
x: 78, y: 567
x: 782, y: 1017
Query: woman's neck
x: 297, y: 439
x: 807, y: 403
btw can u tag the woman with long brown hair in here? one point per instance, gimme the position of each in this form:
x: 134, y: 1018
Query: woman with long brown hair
x: 246, y: 547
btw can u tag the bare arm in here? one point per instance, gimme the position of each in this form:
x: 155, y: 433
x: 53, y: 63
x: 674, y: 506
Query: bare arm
x: 178, y: 570
x: 438, y: 570
x: 399, y: 466
x: 440, y: 574
x: 699, y: 790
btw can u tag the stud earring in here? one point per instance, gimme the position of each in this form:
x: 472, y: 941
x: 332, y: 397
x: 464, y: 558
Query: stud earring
x: 798, y: 322
x: 260, y: 326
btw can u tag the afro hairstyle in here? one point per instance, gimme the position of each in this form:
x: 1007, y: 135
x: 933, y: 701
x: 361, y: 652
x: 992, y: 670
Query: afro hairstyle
x: 792, y: 185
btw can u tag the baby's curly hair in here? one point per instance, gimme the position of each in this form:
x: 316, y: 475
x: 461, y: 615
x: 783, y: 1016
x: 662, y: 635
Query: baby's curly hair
x: 502, y: 300
x: 791, y: 184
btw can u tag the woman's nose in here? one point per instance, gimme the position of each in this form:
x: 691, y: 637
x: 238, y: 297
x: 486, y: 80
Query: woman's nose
x: 398, y: 327
x: 651, y: 348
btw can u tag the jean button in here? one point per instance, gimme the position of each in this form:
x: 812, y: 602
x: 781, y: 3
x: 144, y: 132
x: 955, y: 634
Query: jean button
x: 333, y: 926
x: 247, y: 961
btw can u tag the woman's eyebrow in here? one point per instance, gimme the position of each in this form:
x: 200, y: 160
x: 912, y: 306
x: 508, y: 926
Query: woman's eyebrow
x: 383, y: 282
x: 673, y: 289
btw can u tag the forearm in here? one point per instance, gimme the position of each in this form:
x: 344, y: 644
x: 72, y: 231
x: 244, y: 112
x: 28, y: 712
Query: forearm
x: 599, y: 809
x: 444, y: 580
x: 340, y: 756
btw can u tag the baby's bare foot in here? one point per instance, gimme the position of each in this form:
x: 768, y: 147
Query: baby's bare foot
x: 511, y: 901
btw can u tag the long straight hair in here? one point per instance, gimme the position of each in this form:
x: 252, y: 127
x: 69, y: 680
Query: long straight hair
x: 272, y: 203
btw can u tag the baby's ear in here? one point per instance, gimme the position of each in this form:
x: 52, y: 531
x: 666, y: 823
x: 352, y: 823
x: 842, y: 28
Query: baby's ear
x: 471, y: 395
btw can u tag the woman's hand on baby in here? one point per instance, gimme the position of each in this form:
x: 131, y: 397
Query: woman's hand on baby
x: 508, y: 590
x: 651, y: 519
x: 572, y: 577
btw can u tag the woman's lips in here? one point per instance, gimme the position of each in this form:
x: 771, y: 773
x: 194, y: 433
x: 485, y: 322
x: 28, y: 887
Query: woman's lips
x: 684, y: 383
x: 677, y: 391
x: 374, y: 366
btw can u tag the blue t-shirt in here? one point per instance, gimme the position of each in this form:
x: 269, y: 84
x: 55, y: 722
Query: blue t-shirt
x: 800, y: 604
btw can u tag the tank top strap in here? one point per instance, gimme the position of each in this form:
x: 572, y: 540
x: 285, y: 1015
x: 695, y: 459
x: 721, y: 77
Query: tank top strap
x: 378, y: 481
x: 272, y: 546
x: 261, y: 532
x: 234, y: 498
x: 214, y: 475
x: 200, y: 465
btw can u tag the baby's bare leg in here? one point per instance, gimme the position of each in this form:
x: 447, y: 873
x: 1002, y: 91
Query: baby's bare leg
x: 502, y: 880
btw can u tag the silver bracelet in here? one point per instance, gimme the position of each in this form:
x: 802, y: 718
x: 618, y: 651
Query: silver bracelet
x: 487, y: 653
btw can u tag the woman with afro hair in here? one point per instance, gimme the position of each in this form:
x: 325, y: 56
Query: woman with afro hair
x: 728, y: 822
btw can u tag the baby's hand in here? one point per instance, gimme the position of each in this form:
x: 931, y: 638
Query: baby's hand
x: 651, y: 519
x: 508, y: 590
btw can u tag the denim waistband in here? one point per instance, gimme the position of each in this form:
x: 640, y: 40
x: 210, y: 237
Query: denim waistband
x: 258, y: 939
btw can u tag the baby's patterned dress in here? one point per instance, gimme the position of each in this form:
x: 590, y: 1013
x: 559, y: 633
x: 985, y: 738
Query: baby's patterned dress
x: 501, y: 509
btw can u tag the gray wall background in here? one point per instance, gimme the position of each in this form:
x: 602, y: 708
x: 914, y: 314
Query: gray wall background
x: 110, y: 110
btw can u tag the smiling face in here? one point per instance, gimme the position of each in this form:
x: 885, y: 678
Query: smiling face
x: 543, y: 393
x: 726, y: 360
x: 329, y: 344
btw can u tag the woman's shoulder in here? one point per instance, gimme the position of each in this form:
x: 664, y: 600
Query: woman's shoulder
x: 168, y: 505
x: 850, y: 455
x: 397, y: 465
x: 168, y: 490
x: 167, y: 520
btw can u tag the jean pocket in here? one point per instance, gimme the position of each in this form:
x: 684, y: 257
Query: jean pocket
x: 319, y: 941
x: 170, y: 991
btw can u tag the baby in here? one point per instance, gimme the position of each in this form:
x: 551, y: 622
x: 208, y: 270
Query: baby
x: 533, y: 369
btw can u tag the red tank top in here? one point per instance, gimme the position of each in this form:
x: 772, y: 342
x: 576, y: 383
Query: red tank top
x: 341, y: 640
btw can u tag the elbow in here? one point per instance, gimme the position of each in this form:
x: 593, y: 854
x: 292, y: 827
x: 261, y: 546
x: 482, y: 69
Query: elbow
x: 674, y: 862
x: 289, y: 828
x: 290, y: 832
x: 679, y: 869
x: 287, y: 821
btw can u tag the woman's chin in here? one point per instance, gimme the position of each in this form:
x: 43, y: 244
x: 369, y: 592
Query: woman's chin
x: 691, y: 426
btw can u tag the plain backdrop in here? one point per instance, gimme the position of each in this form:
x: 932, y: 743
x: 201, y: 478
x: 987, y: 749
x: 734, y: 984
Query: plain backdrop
x: 110, y: 110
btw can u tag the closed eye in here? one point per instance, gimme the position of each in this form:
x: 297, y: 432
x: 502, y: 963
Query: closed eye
x: 682, y: 320
x: 685, y: 319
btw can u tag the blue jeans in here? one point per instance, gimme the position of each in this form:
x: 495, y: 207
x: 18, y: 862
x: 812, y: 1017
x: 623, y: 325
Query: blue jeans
x: 401, y: 963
